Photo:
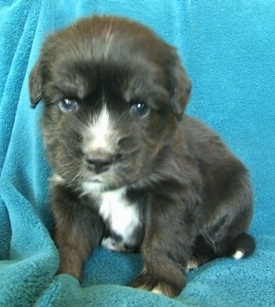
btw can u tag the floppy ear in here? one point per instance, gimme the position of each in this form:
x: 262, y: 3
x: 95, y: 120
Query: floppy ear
x: 35, y: 85
x: 180, y: 89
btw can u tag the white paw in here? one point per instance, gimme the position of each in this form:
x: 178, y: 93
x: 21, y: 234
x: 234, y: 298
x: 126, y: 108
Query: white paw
x: 191, y: 265
x: 115, y: 245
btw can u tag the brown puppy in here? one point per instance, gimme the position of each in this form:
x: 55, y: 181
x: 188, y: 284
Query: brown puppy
x: 130, y: 171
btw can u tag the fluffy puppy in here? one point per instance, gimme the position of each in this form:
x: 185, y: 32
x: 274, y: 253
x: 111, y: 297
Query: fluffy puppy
x: 130, y: 171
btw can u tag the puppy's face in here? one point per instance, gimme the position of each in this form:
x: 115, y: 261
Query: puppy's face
x: 113, y: 92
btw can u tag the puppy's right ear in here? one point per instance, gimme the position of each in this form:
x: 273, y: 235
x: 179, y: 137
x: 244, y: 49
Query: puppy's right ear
x: 35, y: 85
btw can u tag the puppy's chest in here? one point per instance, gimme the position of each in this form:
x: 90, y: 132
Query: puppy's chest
x: 121, y: 216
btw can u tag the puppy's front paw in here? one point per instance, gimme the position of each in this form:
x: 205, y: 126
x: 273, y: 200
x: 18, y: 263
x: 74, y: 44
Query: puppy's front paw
x: 156, y: 284
x: 116, y: 245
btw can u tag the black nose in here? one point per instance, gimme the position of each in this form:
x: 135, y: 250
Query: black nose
x: 100, y: 163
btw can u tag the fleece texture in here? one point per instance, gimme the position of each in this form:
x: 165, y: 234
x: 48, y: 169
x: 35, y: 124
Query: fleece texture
x: 228, y: 50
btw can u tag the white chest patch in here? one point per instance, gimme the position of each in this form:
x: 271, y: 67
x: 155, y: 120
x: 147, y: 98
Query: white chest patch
x: 122, y: 216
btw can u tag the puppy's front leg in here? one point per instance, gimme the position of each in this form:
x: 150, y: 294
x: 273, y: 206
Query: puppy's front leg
x: 77, y: 230
x: 169, y: 234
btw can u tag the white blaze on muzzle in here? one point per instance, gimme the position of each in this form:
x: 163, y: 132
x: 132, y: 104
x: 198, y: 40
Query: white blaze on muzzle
x: 100, y: 136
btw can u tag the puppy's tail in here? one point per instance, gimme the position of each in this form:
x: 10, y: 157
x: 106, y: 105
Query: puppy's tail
x: 243, y: 246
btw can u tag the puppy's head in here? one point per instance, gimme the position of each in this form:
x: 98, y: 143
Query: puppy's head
x: 113, y: 93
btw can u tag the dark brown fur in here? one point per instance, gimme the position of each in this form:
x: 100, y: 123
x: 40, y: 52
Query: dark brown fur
x: 193, y: 194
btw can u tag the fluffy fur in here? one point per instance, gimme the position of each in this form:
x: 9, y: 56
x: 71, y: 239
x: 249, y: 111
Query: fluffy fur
x: 131, y: 171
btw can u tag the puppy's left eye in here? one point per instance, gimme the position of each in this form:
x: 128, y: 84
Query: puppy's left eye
x: 139, y: 109
x: 68, y: 105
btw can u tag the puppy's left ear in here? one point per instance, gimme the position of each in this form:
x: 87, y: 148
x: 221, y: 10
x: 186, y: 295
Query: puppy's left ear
x: 35, y: 84
x: 180, y: 89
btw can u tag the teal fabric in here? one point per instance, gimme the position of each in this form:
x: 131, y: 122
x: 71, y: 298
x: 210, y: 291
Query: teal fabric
x: 228, y: 49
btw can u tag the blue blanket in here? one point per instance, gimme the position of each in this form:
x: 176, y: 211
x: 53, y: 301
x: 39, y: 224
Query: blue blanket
x: 228, y: 49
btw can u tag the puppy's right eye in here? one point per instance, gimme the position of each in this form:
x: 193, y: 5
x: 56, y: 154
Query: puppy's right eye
x: 68, y: 105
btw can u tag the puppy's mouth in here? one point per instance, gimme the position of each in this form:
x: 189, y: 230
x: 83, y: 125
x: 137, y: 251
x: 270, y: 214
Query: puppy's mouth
x: 112, y: 176
x: 102, y: 169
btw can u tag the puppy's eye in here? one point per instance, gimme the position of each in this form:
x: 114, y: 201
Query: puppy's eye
x: 139, y: 109
x: 68, y: 105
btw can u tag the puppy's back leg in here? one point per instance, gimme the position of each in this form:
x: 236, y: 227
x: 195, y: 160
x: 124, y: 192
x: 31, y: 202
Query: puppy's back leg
x: 202, y: 252
x: 225, y: 234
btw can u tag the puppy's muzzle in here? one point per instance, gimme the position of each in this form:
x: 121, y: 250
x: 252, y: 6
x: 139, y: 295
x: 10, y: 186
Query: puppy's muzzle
x: 100, y: 162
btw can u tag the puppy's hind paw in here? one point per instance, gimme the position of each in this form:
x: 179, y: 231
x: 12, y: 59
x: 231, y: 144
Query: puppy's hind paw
x: 156, y: 285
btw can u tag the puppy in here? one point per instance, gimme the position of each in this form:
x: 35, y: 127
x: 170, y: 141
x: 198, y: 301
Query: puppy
x: 129, y: 170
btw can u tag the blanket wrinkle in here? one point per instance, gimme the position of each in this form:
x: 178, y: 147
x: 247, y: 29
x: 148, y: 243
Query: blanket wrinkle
x: 227, y: 48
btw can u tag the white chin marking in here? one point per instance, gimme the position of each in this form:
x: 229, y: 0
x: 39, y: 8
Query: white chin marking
x: 93, y: 188
x: 238, y: 255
